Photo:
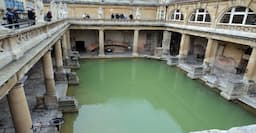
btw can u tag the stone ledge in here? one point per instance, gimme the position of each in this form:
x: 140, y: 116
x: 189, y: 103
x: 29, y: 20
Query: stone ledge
x: 243, y: 129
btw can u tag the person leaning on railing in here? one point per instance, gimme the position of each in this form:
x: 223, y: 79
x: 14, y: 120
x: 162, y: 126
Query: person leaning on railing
x: 32, y: 16
x: 9, y: 16
x: 48, y: 16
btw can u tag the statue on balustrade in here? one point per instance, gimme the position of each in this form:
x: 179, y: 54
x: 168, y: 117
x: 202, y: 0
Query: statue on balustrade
x: 100, y: 13
x: 39, y: 10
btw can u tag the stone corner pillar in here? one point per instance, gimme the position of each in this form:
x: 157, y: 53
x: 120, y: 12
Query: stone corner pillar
x: 184, y: 46
x: 60, y: 74
x: 250, y: 74
x: 166, y: 43
x: 50, y: 95
x: 19, y: 109
x: 65, y: 46
x: 210, y: 52
x: 135, y: 43
x: 101, y: 43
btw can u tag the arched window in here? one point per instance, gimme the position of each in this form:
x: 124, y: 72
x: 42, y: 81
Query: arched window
x: 239, y: 15
x: 177, y: 15
x: 200, y: 15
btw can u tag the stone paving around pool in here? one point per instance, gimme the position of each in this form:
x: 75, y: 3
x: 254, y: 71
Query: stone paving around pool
x: 244, y: 129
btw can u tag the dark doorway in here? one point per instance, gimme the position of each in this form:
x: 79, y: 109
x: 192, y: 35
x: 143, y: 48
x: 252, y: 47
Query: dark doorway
x: 80, y: 46
x: 175, y: 43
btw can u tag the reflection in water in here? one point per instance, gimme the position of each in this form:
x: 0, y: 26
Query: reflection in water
x: 101, y: 71
x: 125, y: 116
x: 143, y: 96
x: 133, y: 72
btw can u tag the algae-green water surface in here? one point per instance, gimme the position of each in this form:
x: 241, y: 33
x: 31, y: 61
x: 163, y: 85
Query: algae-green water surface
x: 146, y: 96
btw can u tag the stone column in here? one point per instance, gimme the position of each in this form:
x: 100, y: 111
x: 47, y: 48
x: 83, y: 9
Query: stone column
x: 135, y: 43
x: 166, y: 43
x: 58, y: 56
x: 48, y: 74
x: 210, y: 51
x: 184, y: 46
x: 19, y: 109
x: 101, y: 43
x: 60, y: 74
x: 64, y: 46
x: 250, y: 75
x: 69, y: 47
x: 50, y: 95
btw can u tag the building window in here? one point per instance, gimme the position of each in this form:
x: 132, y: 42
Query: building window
x: 200, y: 15
x: 177, y: 15
x: 239, y: 15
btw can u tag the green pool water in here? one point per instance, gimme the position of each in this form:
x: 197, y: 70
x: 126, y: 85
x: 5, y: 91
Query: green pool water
x: 146, y: 96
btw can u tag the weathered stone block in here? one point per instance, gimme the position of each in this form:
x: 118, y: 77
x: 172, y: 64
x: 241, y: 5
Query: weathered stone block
x: 74, y: 54
x: 172, y: 60
x: 250, y: 88
x: 232, y: 90
x: 51, y: 102
x: 196, y: 72
x: 73, y: 79
x: 72, y: 63
x: 60, y: 76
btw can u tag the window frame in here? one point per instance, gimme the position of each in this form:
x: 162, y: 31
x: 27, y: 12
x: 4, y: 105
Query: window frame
x: 175, y: 13
x: 196, y: 14
x: 233, y: 13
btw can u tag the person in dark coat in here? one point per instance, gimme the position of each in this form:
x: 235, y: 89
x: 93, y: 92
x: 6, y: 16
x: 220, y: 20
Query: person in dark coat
x: 117, y: 16
x: 16, y: 18
x: 131, y: 17
x: 122, y: 16
x: 48, y: 16
x: 32, y: 16
x: 9, y: 17
x: 112, y: 16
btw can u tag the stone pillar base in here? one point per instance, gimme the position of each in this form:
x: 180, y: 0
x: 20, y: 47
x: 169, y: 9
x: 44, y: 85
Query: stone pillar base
x: 207, y: 68
x: 73, y: 79
x: 74, y: 54
x: 135, y: 54
x: 158, y: 52
x: 196, y: 72
x: 232, y: 90
x: 51, y: 102
x: 172, y: 60
x: 101, y: 55
x: 60, y: 76
x: 72, y: 63
x: 250, y: 88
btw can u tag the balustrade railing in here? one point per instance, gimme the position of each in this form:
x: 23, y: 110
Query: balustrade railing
x: 14, y: 44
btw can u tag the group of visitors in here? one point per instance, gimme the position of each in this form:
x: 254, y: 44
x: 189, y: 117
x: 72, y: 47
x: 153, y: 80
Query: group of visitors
x: 86, y: 16
x: 32, y: 16
x: 14, y: 21
x: 121, y: 16
x: 12, y: 17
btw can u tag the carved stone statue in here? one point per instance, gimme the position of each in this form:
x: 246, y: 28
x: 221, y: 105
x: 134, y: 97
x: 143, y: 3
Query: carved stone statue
x: 53, y: 9
x: 138, y: 13
x: 39, y: 11
x: 100, y: 13
x: 65, y: 10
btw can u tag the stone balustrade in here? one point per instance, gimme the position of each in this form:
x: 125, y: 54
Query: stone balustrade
x: 14, y: 45
x: 245, y: 28
x: 21, y: 49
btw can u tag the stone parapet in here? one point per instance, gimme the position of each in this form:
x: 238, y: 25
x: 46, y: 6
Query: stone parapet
x: 243, y: 129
